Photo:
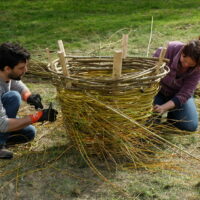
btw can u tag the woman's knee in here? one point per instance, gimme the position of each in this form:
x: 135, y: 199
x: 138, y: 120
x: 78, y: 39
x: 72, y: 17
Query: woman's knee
x: 190, y: 126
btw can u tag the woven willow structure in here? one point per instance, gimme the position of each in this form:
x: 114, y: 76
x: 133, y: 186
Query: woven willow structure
x: 90, y: 95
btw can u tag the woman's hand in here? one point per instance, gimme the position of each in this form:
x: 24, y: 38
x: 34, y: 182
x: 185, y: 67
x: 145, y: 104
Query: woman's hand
x: 159, y: 109
x: 164, y: 107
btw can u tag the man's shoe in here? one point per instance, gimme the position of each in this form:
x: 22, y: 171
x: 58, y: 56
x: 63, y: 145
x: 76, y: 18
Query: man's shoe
x: 4, y: 153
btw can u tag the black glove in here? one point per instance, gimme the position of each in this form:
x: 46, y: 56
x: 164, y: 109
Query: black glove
x: 35, y: 100
x: 49, y: 114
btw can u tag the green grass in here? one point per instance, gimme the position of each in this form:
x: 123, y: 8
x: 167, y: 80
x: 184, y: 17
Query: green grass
x: 44, y: 169
x: 39, y: 24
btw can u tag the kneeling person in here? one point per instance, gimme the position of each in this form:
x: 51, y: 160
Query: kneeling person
x: 13, y: 130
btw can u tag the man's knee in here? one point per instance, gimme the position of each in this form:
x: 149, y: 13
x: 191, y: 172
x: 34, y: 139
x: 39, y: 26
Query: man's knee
x: 31, y: 133
x: 12, y: 97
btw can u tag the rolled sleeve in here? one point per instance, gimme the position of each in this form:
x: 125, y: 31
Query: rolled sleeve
x: 18, y: 86
x: 3, y: 119
x: 176, y: 102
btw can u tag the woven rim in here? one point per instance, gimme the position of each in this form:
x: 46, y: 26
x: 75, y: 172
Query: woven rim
x: 95, y: 73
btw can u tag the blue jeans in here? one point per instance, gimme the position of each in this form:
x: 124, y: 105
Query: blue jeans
x: 11, y: 102
x: 185, y: 117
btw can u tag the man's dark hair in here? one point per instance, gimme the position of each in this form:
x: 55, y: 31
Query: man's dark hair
x: 12, y: 54
x: 192, y: 49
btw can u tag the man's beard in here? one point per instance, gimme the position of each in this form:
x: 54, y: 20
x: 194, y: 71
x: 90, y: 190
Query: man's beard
x: 14, y: 77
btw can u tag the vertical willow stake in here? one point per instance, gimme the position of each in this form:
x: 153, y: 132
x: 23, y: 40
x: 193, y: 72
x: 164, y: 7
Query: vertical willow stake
x: 63, y: 63
x: 61, y: 47
x: 160, y: 61
x: 117, y: 65
x: 124, y: 45
x: 150, y: 37
x: 49, y: 60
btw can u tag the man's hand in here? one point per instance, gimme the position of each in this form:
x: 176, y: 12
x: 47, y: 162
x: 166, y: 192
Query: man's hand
x: 49, y: 114
x: 35, y: 100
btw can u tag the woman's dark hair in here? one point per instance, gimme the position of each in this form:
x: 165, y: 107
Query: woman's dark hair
x: 12, y: 54
x: 192, y: 49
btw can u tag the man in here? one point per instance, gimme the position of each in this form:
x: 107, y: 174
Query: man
x: 13, y: 130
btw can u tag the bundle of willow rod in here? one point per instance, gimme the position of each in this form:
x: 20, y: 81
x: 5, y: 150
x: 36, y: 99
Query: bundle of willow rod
x: 92, y: 127
x: 38, y: 69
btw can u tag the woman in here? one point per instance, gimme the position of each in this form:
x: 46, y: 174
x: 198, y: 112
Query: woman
x: 178, y: 86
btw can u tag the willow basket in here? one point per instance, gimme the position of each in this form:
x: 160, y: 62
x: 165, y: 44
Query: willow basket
x: 93, y: 127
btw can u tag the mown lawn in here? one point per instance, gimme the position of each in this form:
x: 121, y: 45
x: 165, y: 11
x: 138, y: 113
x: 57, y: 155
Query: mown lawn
x: 48, y: 168
x: 39, y: 24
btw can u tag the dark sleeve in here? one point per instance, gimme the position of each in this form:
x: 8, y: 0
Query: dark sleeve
x: 187, y: 89
x: 157, y: 52
x: 172, y: 49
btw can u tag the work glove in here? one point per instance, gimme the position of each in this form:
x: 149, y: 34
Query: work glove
x: 49, y: 114
x: 35, y: 100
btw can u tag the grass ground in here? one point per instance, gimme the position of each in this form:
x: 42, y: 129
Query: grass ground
x: 39, y: 24
x: 48, y: 168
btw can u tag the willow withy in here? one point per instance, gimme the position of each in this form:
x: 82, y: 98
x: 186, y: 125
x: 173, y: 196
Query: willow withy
x: 97, y: 130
